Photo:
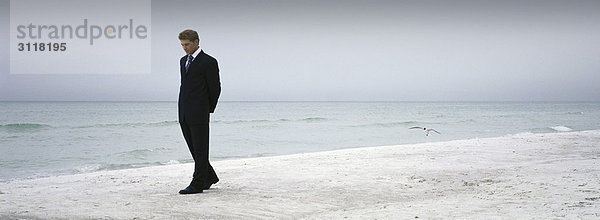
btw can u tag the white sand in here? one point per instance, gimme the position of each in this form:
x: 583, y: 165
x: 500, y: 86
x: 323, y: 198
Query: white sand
x: 541, y: 176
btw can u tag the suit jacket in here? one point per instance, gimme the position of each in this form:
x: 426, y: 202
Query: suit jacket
x: 200, y: 89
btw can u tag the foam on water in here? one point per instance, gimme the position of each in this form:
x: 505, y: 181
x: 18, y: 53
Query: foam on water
x: 561, y: 128
x: 88, y: 168
x: 171, y: 162
x: 520, y: 134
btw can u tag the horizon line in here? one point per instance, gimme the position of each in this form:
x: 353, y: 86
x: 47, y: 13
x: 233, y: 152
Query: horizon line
x: 374, y: 101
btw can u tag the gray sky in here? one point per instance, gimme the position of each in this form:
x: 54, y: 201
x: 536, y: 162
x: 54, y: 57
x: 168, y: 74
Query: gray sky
x: 354, y: 51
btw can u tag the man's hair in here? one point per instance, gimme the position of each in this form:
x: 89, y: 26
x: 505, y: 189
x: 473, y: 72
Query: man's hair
x: 188, y: 34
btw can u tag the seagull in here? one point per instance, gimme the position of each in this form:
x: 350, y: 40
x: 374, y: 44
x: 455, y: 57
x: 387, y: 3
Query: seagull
x: 427, y: 130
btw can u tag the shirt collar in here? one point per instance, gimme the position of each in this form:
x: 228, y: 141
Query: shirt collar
x: 195, y: 54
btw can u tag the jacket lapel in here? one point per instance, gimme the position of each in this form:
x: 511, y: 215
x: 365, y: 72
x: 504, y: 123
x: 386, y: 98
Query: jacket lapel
x: 182, y: 65
x: 195, y: 63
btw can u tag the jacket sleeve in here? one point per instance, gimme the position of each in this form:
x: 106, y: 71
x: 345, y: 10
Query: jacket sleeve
x: 214, y: 85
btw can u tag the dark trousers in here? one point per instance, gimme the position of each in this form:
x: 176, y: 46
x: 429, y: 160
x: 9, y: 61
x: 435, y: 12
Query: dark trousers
x: 196, y: 137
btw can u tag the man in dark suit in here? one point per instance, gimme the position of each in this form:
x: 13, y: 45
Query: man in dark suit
x: 198, y: 96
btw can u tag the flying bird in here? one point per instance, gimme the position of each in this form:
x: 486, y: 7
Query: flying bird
x: 427, y: 130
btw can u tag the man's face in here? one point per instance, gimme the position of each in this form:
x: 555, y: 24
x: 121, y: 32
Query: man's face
x: 189, y: 46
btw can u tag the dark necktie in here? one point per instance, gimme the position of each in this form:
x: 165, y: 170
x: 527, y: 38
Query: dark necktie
x: 189, y: 61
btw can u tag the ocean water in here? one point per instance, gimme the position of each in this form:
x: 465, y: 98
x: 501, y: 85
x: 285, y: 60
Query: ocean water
x: 40, y: 139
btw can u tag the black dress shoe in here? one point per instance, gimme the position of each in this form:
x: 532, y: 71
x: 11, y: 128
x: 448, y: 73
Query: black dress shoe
x: 208, y: 184
x: 191, y: 189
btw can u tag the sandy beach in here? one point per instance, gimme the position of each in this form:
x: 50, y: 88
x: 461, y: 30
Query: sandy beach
x: 530, y: 176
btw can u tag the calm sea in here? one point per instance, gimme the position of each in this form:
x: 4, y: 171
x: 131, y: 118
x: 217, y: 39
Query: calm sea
x: 53, y: 138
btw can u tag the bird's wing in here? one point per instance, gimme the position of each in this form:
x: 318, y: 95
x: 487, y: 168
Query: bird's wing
x: 416, y: 128
x: 435, y: 131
